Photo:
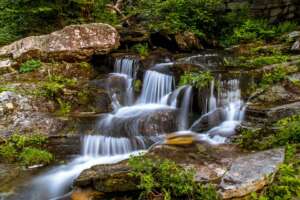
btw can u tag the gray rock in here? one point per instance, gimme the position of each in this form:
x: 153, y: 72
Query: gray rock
x: 251, y: 173
x: 296, y: 46
x: 75, y: 42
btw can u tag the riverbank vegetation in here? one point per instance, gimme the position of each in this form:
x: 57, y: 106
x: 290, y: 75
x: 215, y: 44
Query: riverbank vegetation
x: 25, y: 149
x: 209, y: 20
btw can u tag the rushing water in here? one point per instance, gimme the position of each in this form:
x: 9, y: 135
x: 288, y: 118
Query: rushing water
x: 118, y: 134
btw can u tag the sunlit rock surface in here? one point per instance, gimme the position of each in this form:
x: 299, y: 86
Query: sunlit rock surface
x: 75, y: 42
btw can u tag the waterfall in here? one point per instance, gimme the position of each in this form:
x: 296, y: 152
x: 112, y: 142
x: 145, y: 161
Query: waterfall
x: 126, y: 66
x: 126, y: 69
x: 134, y: 126
x: 156, y: 86
x: 232, y: 107
x: 184, y: 110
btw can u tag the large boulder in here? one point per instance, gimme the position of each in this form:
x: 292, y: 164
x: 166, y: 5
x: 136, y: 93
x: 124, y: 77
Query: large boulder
x: 251, y: 173
x: 75, y: 42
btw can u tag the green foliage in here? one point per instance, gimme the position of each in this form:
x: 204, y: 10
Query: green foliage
x: 199, y: 79
x: 65, y: 107
x: 33, y: 156
x: 54, y: 86
x: 141, y: 49
x: 173, y: 16
x: 256, y: 61
x: 21, y: 18
x: 275, y: 76
x: 25, y: 149
x: 286, y: 184
x: 254, y: 29
x: 30, y: 65
x: 164, y: 177
x: 8, y: 152
x: 287, y: 132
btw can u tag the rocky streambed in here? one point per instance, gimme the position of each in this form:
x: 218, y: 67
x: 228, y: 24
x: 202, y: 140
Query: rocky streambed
x: 98, y: 108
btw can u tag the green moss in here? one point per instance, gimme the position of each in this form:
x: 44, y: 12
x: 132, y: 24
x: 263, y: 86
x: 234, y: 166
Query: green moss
x: 256, y: 61
x: 29, y: 66
x: 286, y: 131
x: 64, y: 107
x: 196, y: 79
x: 275, y: 76
x: 165, y: 178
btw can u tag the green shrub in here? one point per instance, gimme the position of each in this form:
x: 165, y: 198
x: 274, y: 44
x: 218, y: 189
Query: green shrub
x: 26, y: 149
x: 164, y: 177
x: 173, y: 16
x: 141, y: 49
x: 196, y: 79
x: 32, y: 156
x: 253, y: 29
x: 54, y: 86
x: 29, y: 66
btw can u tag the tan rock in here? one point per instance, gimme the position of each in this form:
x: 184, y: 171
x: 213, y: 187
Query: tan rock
x: 75, y: 42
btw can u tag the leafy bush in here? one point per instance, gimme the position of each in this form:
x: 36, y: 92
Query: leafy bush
x: 54, y: 86
x: 141, y: 49
x: 254, y: 29
x: 33, y: 156
x: 165, y: 178
x: 25, y: 149
x: 30, y: 65
x: 197, y: 79
x: 173, y: 16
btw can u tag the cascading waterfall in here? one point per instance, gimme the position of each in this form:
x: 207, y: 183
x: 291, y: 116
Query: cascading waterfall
x: 118, y: 134
x: 232, y: 106
x: 156, y: 86
x: 126, y: 69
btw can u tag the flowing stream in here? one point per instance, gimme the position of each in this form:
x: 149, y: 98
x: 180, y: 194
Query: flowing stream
x: 120, y: 134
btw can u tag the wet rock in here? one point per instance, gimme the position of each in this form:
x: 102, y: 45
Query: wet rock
x: 251, y: 173
x: 188, y: 41
x: 8, y: 173
x: 296, y: 46
x: 107, y: 178
x: 75, y: 42
x: 138, y: 122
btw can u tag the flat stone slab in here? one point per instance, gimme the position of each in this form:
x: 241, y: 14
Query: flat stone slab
x: 251, y: 173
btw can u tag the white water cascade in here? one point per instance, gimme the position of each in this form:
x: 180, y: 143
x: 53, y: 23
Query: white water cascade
x: 120, y: 134
x: 156, y: 86
x: 230, y: 104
